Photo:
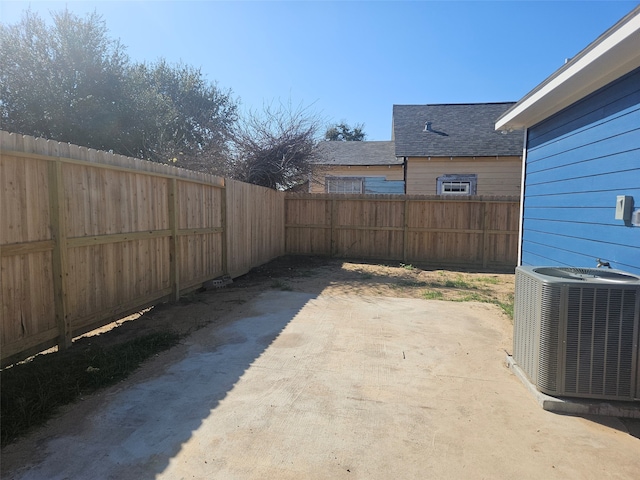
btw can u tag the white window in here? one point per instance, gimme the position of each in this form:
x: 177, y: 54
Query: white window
x: 344, y: 184
x: 457, y: 184
x: 455, y: 188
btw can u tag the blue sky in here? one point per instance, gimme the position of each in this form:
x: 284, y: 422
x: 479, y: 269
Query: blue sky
x: 354, y: 60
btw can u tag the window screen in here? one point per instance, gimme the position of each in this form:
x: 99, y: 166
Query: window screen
x: 344, y: 184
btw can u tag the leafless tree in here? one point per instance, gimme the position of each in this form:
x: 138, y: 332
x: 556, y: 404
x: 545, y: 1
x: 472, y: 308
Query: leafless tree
x: 275, y: 147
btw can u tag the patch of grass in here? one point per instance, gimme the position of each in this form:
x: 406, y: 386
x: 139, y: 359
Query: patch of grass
x: 507, y: 307
x: 32, y: 392
x: 468, y: 291
x: 459, y: 283
x: 472, y: 297
x: 280, y: 285
x: 410, y: 284
x: 432, y: 295
x: 489, y: 280
x: 407, y: 266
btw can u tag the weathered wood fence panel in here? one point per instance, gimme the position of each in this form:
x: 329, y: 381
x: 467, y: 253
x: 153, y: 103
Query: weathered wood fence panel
x: 477, y: 232
x: 87, y: 236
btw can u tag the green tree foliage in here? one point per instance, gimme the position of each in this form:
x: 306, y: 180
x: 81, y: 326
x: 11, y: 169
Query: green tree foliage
x: 342, y: 132
x: 191, y: 120
x: 63, y: 82
x: 70, y: 82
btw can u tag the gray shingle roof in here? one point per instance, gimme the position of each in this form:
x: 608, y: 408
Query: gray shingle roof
x: 458, y: 130
x: 356, y: 153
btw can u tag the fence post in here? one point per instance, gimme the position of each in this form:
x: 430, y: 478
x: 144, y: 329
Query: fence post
x: 223, y: 221
x: 405, y: 232
x: 485, y: 234
x: 333, y: 217
x: 59, y: 254
x: 174, y: 264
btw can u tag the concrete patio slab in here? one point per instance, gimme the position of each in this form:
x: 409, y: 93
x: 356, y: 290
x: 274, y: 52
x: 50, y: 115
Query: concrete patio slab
x: 575, y: 406
x: 306, y: 387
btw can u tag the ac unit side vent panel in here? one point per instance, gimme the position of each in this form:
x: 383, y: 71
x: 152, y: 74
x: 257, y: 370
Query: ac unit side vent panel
x: 577, y: 336
x: 549, y: 331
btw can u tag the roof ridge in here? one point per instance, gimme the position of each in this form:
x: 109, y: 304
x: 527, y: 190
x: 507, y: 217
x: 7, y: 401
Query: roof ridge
x: 357, y: 141
x: 448, y: 104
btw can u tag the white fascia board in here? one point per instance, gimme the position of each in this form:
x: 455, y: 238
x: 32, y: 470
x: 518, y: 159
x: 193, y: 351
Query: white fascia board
x: 612, y: 55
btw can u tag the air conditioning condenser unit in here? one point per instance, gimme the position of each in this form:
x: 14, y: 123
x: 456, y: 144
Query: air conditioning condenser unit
x: 576, y: 331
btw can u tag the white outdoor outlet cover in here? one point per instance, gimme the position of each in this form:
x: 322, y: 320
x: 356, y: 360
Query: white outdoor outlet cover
x: 635, y: 218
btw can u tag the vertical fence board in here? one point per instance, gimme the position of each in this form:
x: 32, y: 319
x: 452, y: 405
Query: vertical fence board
x: 24, y: 185
x: 26, y: 279
x: 59, y: 257
x: 87, y: 236
x: 469, y: 232
x: 173, y: 207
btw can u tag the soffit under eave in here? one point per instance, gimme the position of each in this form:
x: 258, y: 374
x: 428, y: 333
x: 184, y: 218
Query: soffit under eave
x: 597, y: 66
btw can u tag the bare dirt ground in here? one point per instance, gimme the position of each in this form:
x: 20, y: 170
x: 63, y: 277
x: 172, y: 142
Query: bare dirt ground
x: 310, y: 275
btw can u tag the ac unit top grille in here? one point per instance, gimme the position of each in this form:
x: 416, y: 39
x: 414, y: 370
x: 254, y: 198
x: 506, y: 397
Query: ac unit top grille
x: 596, y: 275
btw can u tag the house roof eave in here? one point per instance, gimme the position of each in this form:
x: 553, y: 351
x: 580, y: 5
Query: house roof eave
x: 613, y: 54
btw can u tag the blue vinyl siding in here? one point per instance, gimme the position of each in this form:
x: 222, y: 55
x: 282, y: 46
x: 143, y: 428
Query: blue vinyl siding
x: 625, y: 161
x: 581, y: 200
x: 611, y: 99
x: 578, y: 161
x: 381, y: 185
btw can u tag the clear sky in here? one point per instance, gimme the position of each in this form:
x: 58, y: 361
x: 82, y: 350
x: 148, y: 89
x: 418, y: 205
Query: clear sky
x: 354, y: 60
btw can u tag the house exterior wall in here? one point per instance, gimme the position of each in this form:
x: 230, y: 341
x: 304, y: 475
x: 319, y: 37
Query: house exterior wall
x: 394, y: 173
x: 578, y: 161
x: 496, y: 176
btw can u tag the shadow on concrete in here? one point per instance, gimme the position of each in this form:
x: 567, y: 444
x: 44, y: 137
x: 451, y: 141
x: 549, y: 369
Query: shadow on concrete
x: 190, y: 390
x: 632, y: 425
x: 134, y: 433
x: 624, y: 425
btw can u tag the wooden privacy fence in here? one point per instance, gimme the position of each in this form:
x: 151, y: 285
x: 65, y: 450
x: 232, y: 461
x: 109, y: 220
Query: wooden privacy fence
x: 476, y: 232
x: 87, y: 236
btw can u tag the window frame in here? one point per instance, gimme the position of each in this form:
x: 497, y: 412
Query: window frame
x: 468, y: 179
x: 329, y: 179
